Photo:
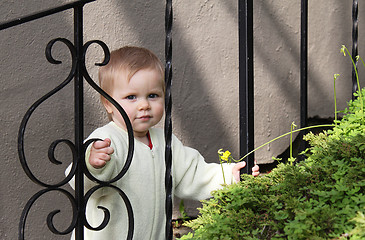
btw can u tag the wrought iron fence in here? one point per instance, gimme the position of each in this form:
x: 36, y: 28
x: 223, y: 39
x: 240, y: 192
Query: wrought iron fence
x: 246, y: 74
x: 78, y: 73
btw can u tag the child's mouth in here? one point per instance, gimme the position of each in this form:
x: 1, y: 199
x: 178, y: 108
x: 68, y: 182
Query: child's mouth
x: 144, y: 118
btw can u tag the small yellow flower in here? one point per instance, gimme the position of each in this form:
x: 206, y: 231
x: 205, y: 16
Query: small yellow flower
x: 226, y: 155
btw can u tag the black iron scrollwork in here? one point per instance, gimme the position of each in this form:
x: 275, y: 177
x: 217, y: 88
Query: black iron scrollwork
x: 107, y: 213
x: 32, y: 109
x: 22, y: 157
x: 50, y: 225
x: 129, y: 154
x: 119, y: 108
x: 76, y: 163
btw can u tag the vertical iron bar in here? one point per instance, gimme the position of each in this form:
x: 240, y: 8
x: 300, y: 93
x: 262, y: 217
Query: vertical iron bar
x: 79, y: 123
x: 303, y: 74
x: 168, y: 122
x: 355, y: 5
x: 246, y: 82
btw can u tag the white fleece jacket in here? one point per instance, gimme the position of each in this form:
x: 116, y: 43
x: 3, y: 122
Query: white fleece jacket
x: 144, y: 184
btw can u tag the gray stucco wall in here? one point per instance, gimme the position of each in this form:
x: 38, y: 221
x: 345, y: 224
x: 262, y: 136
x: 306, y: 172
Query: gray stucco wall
x: 205, y: 81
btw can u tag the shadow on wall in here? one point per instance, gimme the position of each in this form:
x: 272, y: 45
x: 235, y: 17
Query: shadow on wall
x: 266, y: 51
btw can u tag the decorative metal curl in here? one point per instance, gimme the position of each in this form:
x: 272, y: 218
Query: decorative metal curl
x: 128, y: 161
x: 50, y: 216
x: 107, y: 213
x: 30, y: 111
x: 119, y: 108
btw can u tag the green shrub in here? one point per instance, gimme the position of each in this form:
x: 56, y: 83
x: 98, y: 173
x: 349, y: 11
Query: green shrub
x: 322, y: 197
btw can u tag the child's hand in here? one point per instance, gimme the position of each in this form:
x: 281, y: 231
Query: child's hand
x: 100, y: 153
x: 238, y: 166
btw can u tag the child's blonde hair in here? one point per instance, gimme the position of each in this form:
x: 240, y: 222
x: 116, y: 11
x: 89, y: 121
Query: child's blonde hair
x: 130, y: 60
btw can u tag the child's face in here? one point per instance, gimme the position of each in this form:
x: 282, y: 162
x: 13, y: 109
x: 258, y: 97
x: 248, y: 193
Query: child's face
x: 142, y: 98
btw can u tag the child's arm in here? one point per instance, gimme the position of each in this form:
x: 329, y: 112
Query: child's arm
x: 238, y: 166
x: 100, y: 153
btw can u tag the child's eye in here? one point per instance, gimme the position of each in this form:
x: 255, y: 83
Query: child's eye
x: 131, y: 97
x: 153, y: 95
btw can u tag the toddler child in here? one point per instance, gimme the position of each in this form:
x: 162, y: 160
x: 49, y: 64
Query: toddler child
x: 134, y: 77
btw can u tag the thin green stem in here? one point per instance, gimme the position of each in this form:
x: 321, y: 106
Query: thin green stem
x: 334, y: 91
x: 292, y: 126
x: 283, y: 135
x: 291, y: 142
x: 357, y: 78
x: 224, y: 179
x: 361, y: 60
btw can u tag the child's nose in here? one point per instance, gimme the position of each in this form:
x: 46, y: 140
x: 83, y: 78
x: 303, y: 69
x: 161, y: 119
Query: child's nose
x: 144, y: 104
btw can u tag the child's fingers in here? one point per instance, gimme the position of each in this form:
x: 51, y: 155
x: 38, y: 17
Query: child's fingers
x: 97, y: 163
x: 256, y: 170
x: 108, y: 141
x: 100, y: 153
x: 109, y: 150
x: 104, y: 157
x: 106, y: 150
x: 236, y: 170
x: 102, y: 144
x: 103, y: 147
x: 240, y: 165
x: 99, y: 160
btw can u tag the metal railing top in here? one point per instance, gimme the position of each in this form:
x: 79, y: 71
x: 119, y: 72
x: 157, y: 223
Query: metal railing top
x: 41, y: 14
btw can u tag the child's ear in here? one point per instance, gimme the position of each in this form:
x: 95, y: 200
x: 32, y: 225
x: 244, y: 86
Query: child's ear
x: 107, y: 105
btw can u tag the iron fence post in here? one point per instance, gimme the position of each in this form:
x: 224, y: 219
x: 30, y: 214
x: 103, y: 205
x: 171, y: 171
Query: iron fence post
x: 303, y: 75
x: 168, y: 121
x: 355, y: 11
x: 246, y: 82
x: 79, y: 123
